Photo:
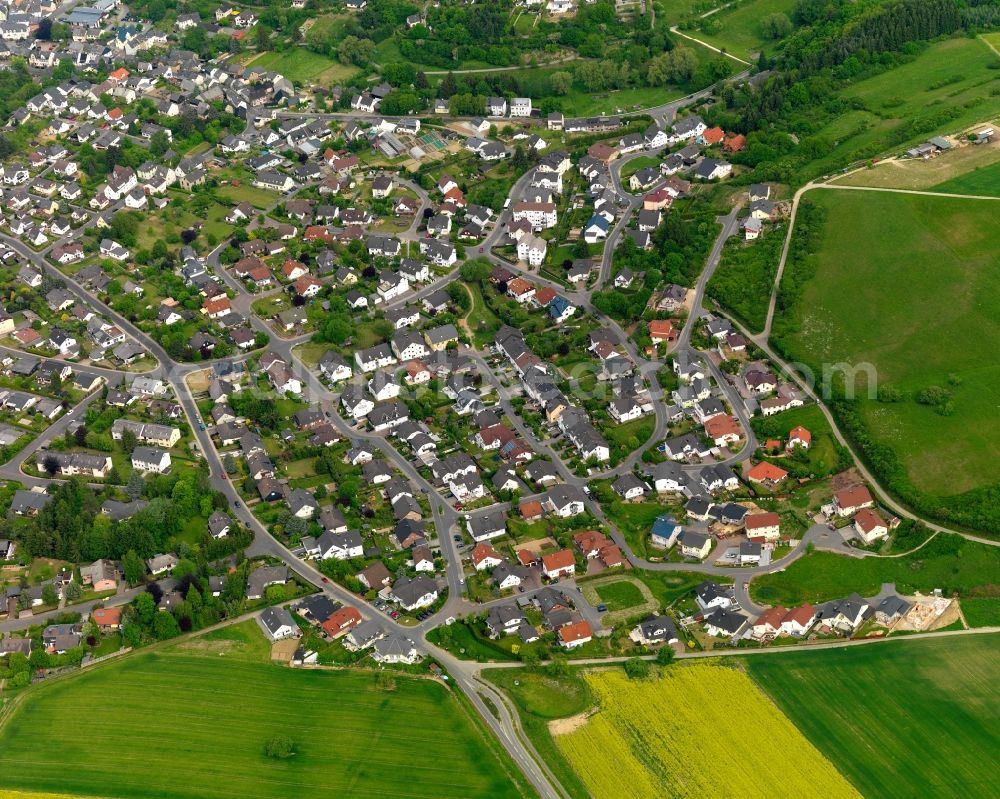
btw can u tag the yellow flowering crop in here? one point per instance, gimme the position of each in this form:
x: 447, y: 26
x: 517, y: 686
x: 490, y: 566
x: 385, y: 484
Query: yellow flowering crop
x: 700, y: 731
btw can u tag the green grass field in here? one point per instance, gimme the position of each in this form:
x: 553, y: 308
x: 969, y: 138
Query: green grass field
x: 481, y: 321
x: 640, y: 162
x: 910, y: 719
x: 983, y: 181
x: 947, y: 172
x: 580, y: 101
x: 635, y: 519
x: 304, y: 66
x: 193, y: 723
x: 982, y: 611
x: 945, y: 89
x: 905, y: 287
x: 738, y: 27
x: 949, y: 562
x: 620, y: 595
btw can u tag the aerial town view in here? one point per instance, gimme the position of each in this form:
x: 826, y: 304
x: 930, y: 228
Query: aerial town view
x: 488, y: 399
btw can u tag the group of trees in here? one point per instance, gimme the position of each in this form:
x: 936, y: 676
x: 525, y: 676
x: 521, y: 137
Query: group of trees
x: 142, y: 621
x: 617, y: 53
x: 834, y: 43
x: 680, y: 246
x: 71, y: 526
x: 259, y: 409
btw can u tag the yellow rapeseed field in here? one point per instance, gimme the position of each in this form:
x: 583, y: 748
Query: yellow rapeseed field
x: 700, y: 731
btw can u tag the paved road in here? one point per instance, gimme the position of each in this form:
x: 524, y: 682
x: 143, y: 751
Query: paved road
x: 123, y: 597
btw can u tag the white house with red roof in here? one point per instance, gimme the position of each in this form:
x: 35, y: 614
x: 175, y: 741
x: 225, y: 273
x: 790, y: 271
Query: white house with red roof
x: 870, y: 526
x: 799, y: 437
x: 849, y: 501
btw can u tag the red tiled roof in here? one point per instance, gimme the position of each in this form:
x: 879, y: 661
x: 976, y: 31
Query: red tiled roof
x: 852, y: 497
x: 722, y: 425
x: 661, y: 328
x: 577, y: 631
x: 562, y: 559
x: 868, y: 520
x: 801, y: 434
x: 341, y: 619
x: 104, y: 617
x: 482, y: 552
x: 757, y: 521
x: 765, y: 471
x: 801, y: 614
x: 530, y: 509
x: 773, y: 616
x: 714, y: 135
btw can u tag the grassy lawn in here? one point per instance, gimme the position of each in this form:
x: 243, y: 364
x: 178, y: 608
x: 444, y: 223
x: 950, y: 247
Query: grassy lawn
x: 304, y: 66
x: 193, y: 530
x: 635, y: 520
x: 670, y: 12
x: 387, y: 52
x: 626, y: 438
x: 582, y: 102
x: 948, y: 87
x: 949, y: 562
x: 737, y: 29
x: 311, y: 352
x: 266, y: 307
x: 161, y: 224
x: 668, y: 587
x: 243, y: 641
x: 43, y: 569
x: 944, y: 172
x: 854, y: 704
x: 823, y: 456
x: 620, y: 595
x: 329, y: 24
x: 301, y: 468
x: 743, y: 281
x: 924, y: 288
x: 482, y: 322
x: 350, y: 737
x: 469, y: 641
x: 638, y: 163
x: 463, y: 642
x: 258, y: 198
